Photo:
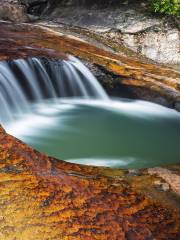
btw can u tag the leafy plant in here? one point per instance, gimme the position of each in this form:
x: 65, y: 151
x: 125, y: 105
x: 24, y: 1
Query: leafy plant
x: 169, y: 7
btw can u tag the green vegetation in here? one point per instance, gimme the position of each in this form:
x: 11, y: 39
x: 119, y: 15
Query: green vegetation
x: 169, y: 7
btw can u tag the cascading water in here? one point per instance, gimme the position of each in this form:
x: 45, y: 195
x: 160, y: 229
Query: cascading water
x: 58, y: 107
x: 33, y: 79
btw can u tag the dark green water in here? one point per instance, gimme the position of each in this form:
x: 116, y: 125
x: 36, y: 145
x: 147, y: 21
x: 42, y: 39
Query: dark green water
x: 122, y: 133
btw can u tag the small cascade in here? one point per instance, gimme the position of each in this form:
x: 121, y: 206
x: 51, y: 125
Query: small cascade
x: 58, y: 107
x: 34, y: 79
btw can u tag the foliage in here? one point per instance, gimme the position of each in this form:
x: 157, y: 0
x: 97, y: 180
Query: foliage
x: 169, y: 7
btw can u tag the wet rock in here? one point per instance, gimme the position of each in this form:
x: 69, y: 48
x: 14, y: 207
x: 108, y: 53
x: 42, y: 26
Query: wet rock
x: 165, y: 187
x: 162, y: 101
x: 35, y: 7
x: 30, y: 2
x: 134, y: 172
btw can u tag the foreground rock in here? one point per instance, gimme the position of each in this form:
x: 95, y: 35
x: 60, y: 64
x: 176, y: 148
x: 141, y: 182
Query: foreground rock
x: 44, y: 198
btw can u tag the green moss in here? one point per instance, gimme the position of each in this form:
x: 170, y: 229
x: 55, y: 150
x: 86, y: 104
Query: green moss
x: 169, y: 7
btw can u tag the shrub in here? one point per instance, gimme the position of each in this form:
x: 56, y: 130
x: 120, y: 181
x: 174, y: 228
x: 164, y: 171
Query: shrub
x: 169, y: 7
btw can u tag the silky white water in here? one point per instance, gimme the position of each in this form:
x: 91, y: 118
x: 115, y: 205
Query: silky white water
x: 29, y: 80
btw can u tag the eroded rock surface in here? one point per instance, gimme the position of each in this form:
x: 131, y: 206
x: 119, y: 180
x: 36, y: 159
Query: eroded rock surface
x: 44, y: 198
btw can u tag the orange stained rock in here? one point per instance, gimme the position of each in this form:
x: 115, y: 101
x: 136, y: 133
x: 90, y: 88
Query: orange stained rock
x: 44, y: 198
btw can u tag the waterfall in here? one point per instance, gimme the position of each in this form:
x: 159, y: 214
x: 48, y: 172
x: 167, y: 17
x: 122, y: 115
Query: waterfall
x: 34, y: 79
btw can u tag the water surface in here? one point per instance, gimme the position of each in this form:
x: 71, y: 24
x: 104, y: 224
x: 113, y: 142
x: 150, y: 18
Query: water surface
x: 115, y: 133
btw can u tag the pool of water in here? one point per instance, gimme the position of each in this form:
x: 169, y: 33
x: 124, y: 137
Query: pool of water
x: 119, y: 133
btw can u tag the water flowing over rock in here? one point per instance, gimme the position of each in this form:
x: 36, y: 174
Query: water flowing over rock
x: 36, y: 79
x: 159, y: 81
x: 45, y: 198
